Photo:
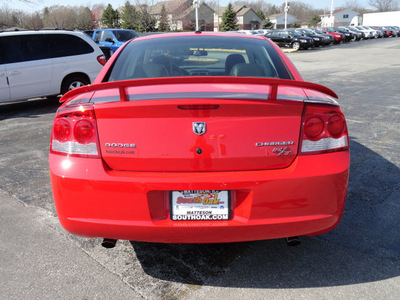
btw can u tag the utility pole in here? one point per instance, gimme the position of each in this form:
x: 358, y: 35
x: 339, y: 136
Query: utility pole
x: 331, y: 18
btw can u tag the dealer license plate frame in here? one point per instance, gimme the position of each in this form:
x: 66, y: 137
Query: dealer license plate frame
x: 221, y: 210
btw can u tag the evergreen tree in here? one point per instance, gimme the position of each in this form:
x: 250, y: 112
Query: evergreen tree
x: 147, y: 21
x: 294, y: 25
x: 267, y: 24
x: 110, y: 18
x: 130, y: 17
x: 229, y: 21
x: 315, y: 20
x: 273, y: 10
x: 84, y: 19
x: 261, y: 14
x: 163, y: 25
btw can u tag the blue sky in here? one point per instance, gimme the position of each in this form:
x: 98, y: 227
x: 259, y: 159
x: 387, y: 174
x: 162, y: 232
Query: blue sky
x: 36, y: 5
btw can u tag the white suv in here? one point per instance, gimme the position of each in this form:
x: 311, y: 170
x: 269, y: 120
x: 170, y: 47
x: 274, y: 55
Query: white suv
x: 45, y: 63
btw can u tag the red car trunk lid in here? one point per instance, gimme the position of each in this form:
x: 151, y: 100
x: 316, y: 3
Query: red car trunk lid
x: 165, y: 134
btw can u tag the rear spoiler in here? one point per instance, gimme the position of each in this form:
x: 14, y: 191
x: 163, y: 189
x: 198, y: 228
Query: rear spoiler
x: 122, y: 85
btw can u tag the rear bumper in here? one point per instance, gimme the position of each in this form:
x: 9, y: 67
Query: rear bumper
x: 306, y: 198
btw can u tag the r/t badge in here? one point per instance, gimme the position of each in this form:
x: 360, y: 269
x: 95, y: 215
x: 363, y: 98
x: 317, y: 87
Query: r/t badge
x: 282, y: 151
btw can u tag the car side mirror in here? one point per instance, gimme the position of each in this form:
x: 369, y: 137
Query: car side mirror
x: 289, y: 36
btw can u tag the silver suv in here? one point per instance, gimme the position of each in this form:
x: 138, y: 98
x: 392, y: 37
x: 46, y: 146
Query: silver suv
x: 45, y: 63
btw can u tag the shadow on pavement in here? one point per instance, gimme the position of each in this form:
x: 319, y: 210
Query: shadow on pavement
x: 29, y: 109
x: 365, y: 247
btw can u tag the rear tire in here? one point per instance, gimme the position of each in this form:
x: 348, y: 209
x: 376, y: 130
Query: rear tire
x: 73, y: 82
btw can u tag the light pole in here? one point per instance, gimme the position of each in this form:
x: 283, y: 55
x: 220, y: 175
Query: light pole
x: 331, y: 17
x: 286, y: 10
x: 218, y: 16
x: 196, y: 6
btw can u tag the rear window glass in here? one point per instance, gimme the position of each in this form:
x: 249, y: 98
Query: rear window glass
x: 198, y: 56
x: 125, y: 35
x: 67, y: 45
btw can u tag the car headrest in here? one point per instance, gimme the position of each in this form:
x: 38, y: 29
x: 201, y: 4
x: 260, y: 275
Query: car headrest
x: 247, y: 70
x: 232, y: 60
x: 150, y: 71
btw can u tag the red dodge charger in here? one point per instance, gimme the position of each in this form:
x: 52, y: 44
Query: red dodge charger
x: 199, y: 138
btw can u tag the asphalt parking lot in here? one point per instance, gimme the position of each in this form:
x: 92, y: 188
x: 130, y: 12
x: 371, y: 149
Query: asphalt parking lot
x: 358, y: 259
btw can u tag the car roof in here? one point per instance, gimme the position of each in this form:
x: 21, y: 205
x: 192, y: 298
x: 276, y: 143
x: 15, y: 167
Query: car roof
x: 198, y: 34
x: 33, y: 32
x: 113, y: 29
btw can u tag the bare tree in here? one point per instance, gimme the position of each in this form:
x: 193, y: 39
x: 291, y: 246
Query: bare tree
x: 60, y: 17
x: 5, y: 18
x: 384, y: 5
x: 23, y: 1
x: 33, y: 21
x: 302, y: 11
x: 212, y: 3
x: 356, y: 6
x: 11, y: 18
x: 97, y: 12
x: 256, y: 5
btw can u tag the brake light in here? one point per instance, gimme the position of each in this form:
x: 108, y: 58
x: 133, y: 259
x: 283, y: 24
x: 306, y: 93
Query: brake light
x: 84, y: 132
x: 313, y: 127
x: 62, y: 130
x: 101, y: 59
x: 74, y: 132
x: 198, y: 106
x: 323, y: 130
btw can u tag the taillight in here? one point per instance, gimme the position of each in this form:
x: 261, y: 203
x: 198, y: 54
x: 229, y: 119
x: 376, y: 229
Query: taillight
x: 323, y: 130
x: 74, y: 132
x: 313, y: 127
x: 84, y: 131
x: 62, y: 130
x: 101, y: 59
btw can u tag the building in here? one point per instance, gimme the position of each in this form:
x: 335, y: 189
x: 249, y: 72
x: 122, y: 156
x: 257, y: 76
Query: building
x: 279, y: 20
x: 181, y: 15
x: 390, y: 18
x: 341, y: 17
x: 247, y: 17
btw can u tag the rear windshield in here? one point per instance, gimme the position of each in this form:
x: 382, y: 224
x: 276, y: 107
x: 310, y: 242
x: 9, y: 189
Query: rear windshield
x: 125, y: 35
x: 198, y: 56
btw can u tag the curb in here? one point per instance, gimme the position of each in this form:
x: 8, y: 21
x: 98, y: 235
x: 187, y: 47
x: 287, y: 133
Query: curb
x: 289, y: 50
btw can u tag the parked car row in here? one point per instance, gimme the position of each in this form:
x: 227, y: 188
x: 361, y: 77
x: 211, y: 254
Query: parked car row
x: 304, y: 38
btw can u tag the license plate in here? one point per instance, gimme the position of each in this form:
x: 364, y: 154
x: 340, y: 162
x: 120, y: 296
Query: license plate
x: 206, y: 205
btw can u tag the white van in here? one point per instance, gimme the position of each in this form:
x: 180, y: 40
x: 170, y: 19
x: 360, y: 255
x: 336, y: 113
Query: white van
x: 46, y: 62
